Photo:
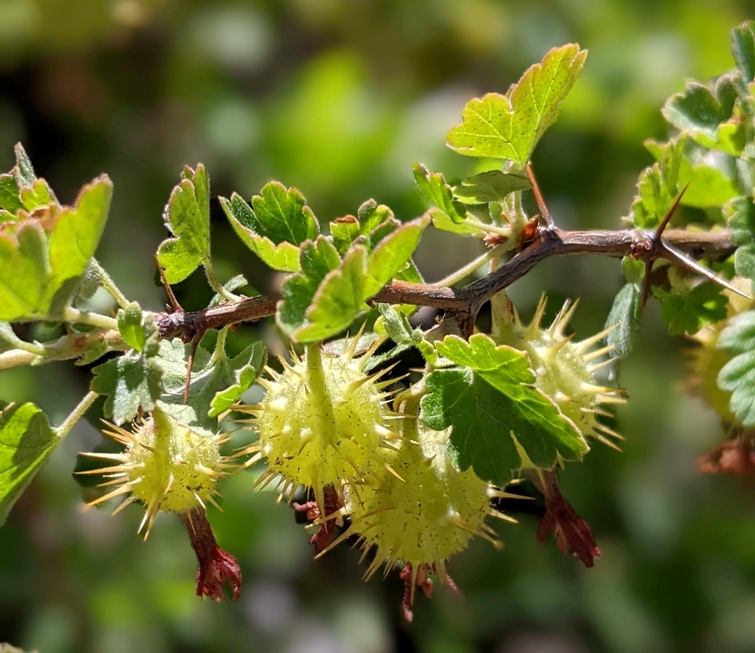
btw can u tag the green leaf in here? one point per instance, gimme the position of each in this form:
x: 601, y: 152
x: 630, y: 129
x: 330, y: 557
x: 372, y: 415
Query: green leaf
x: 658, y: 187
x: 741, y: 215
x: 501, y: 422
x: 743, y: 49
x: 26, y: 442
x: 131, y: 382
x: 707, y: 114
x: 625, y: 312
x: 396, y: 325
x: 339, y: 299
x: 238, y: 374
x: 245, y: 368
x: 217, y: 380
x: 490, y: 186
x: 138, y: 330
x: 281, y: 214
x: 42, y: 263
x: 436, y: 190
x: 9, y: 193
x: 391, y: 254
x: 738, y: 375
x: 509, y: 126
x: 317, y: 259
x: 687, y: 312
x: 284, y: 256
x: 187, y: 215
x: 442, y: 222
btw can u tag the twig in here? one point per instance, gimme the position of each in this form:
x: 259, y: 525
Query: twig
x: 465, y: 302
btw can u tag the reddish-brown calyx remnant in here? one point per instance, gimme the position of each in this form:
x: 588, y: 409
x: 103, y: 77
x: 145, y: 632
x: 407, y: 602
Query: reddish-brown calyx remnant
x: 216, y: 567
x: 572, y: 532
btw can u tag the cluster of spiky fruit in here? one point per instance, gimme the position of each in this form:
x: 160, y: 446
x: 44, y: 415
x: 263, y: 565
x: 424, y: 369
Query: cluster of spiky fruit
x: 365, y: 454
x: 324, y: 423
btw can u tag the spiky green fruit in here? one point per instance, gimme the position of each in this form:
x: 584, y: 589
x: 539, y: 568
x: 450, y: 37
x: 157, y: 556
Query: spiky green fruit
x: 418, y: 508
x: 564, y: 370
x: 321, y: 421
x: 166, y: 465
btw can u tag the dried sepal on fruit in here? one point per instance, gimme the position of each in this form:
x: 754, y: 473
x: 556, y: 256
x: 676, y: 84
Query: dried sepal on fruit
x: 320, y: 421
x: 564, y: 370
x: 166, y: 465
x: 417, y: 509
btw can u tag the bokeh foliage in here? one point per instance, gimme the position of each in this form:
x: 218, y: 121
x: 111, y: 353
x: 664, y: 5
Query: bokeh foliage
x: 340, y: 99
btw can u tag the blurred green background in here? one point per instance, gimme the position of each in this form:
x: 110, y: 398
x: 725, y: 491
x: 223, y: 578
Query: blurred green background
x: 339, y: 98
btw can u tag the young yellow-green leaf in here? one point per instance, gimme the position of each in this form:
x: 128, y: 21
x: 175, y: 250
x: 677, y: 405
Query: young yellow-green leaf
x: 26, y: 442
x: 738, y: 375
x: 38, y: 195
x: 391, y: 254
x: 345, y: 231
x: 712, y: 176
x: 509, y: 126
x: 338, y: 300
x: 501, y: 422
x: 436, y: 190
x: 187, y: 215
x: 44, y: 260
x: 490, y: 186
x: 317, y: 259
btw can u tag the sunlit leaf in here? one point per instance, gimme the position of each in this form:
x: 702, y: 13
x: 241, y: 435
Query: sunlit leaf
x: 509, y: 126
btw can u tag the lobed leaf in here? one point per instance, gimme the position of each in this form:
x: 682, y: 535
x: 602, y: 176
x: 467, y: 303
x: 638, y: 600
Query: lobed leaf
x: 741, y: 215
x: 187, y: 215
x: 42, y: 263
x: 658, y: 187
x: 707, y: 114
x: 501, y: 422
x: 509, y: 126
x: 26, y: 442
x: 738, y: 375
x: 687, y: 312
x: 490, y: 186
x: 132, y: 382
x: 435, y: 189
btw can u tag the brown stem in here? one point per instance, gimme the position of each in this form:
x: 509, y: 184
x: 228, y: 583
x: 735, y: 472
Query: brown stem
x: 464, y: 303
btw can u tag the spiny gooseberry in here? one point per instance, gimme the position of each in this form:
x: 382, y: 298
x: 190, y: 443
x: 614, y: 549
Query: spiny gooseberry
x: 418, y: 508
x: 564, y: 370
x: 166, y: 465
x: 321, y: 420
